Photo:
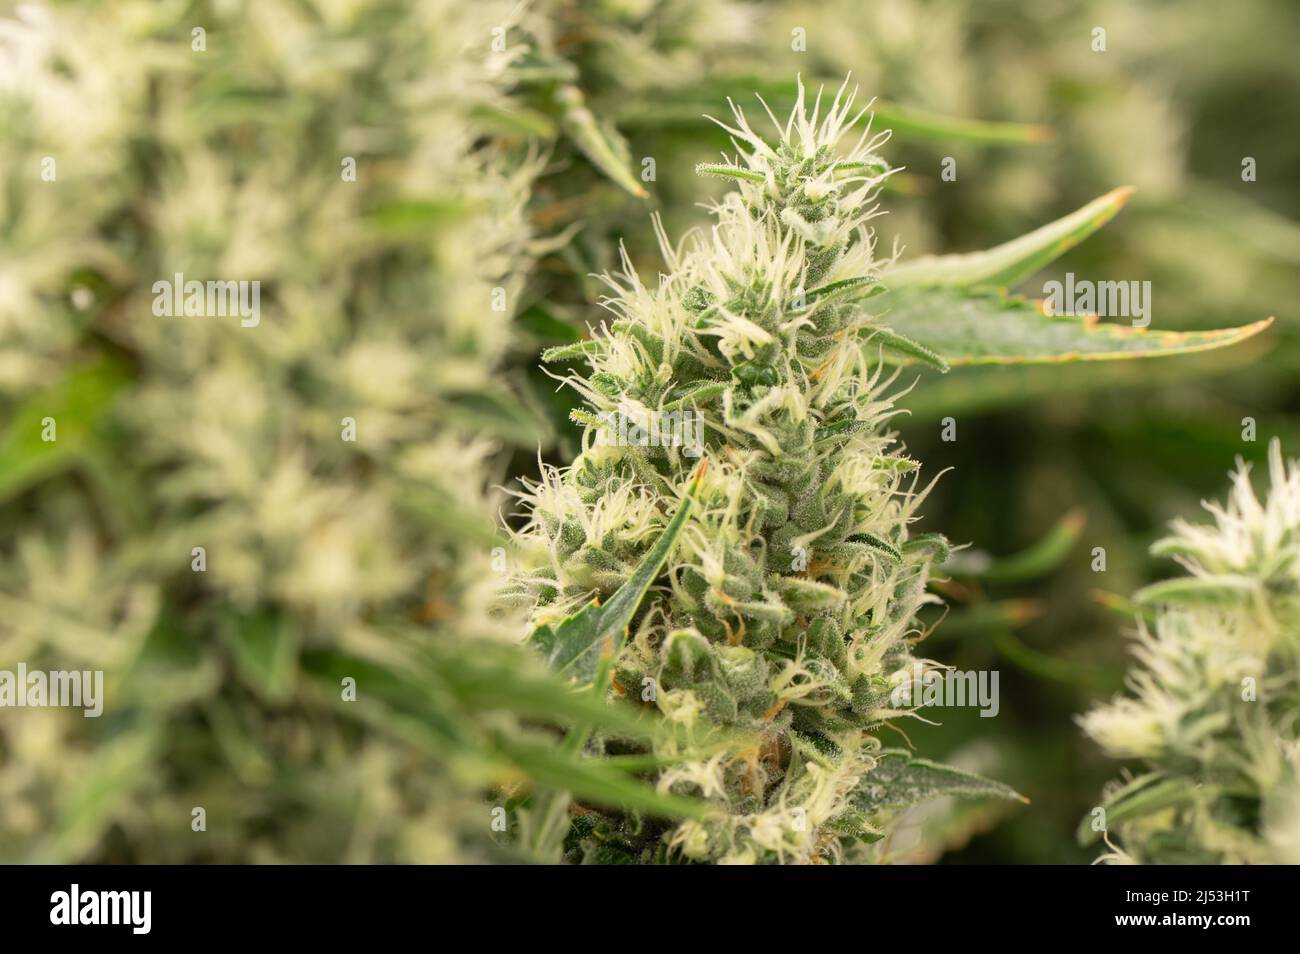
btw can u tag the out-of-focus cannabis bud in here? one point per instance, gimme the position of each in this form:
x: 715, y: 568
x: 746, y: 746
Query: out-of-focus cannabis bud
x: 272, y: 533
x: 792, y: 595
x: 1215, y: 699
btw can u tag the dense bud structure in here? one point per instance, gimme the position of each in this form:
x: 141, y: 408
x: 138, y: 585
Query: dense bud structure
x: 792, y: 595
x: 1215, y: 697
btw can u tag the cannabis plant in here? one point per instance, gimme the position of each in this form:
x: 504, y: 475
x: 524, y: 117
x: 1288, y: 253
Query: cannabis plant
x: 792, y: 593
x: 272, y: 533
x: 1214, y: 700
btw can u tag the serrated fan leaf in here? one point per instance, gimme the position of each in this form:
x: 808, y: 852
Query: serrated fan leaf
x: 899, y: 781
x: 1008, y: 263
x: 574, y: 646
x: 994, y: 387
x: 970, y: 329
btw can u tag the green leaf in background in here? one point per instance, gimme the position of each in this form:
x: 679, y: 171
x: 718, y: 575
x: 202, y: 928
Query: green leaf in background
x: 599, y: 142
x: 996, y: 387
x: 956, y: 306
x: 415, y: 218
x: 980, y: 619
x: 1222, y: 589
x: 509, y: 117
x: 672, y: 106
x: 991, y: 328
x: 470, y: 680
x: 1004, y: 265
x: 549, y: 322
x: 1046, y: 666
x: 1121, y: 605
x: 1144, y: 795
x: 88, y: 805
x: 491, y: 678
x: 76, y: 403
x: 900, y: 781
x: 498, y: 413
x: 265, y: 651
x: 419, y: 502
x: 574, y: 647
x: 598, y: 781
x: 922, y: 124
x: 1035, y: 561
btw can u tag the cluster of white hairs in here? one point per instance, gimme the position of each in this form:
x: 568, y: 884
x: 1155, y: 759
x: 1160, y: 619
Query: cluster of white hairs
x: 1215, y: 698
x: 792, y: 595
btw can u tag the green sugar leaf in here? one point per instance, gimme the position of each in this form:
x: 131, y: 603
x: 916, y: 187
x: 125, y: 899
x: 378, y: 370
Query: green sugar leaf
x: 728, y: 172
x: 900, y: 781
x: 574, y: 646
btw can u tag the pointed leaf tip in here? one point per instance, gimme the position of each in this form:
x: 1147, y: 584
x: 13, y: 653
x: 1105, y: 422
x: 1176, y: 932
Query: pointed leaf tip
x: 1003, y: 265
x: 968, y: 328
x: 575, y: 645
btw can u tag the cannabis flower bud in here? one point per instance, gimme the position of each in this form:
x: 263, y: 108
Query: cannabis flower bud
x: 1216, y: 693
x: 791, y: 597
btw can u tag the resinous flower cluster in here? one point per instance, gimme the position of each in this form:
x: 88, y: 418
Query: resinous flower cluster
x: 1215, y: 698
x: 792, y: 595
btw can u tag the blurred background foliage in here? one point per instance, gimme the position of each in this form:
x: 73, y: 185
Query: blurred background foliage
x: 324, y: 680
x: 1055, y: 460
